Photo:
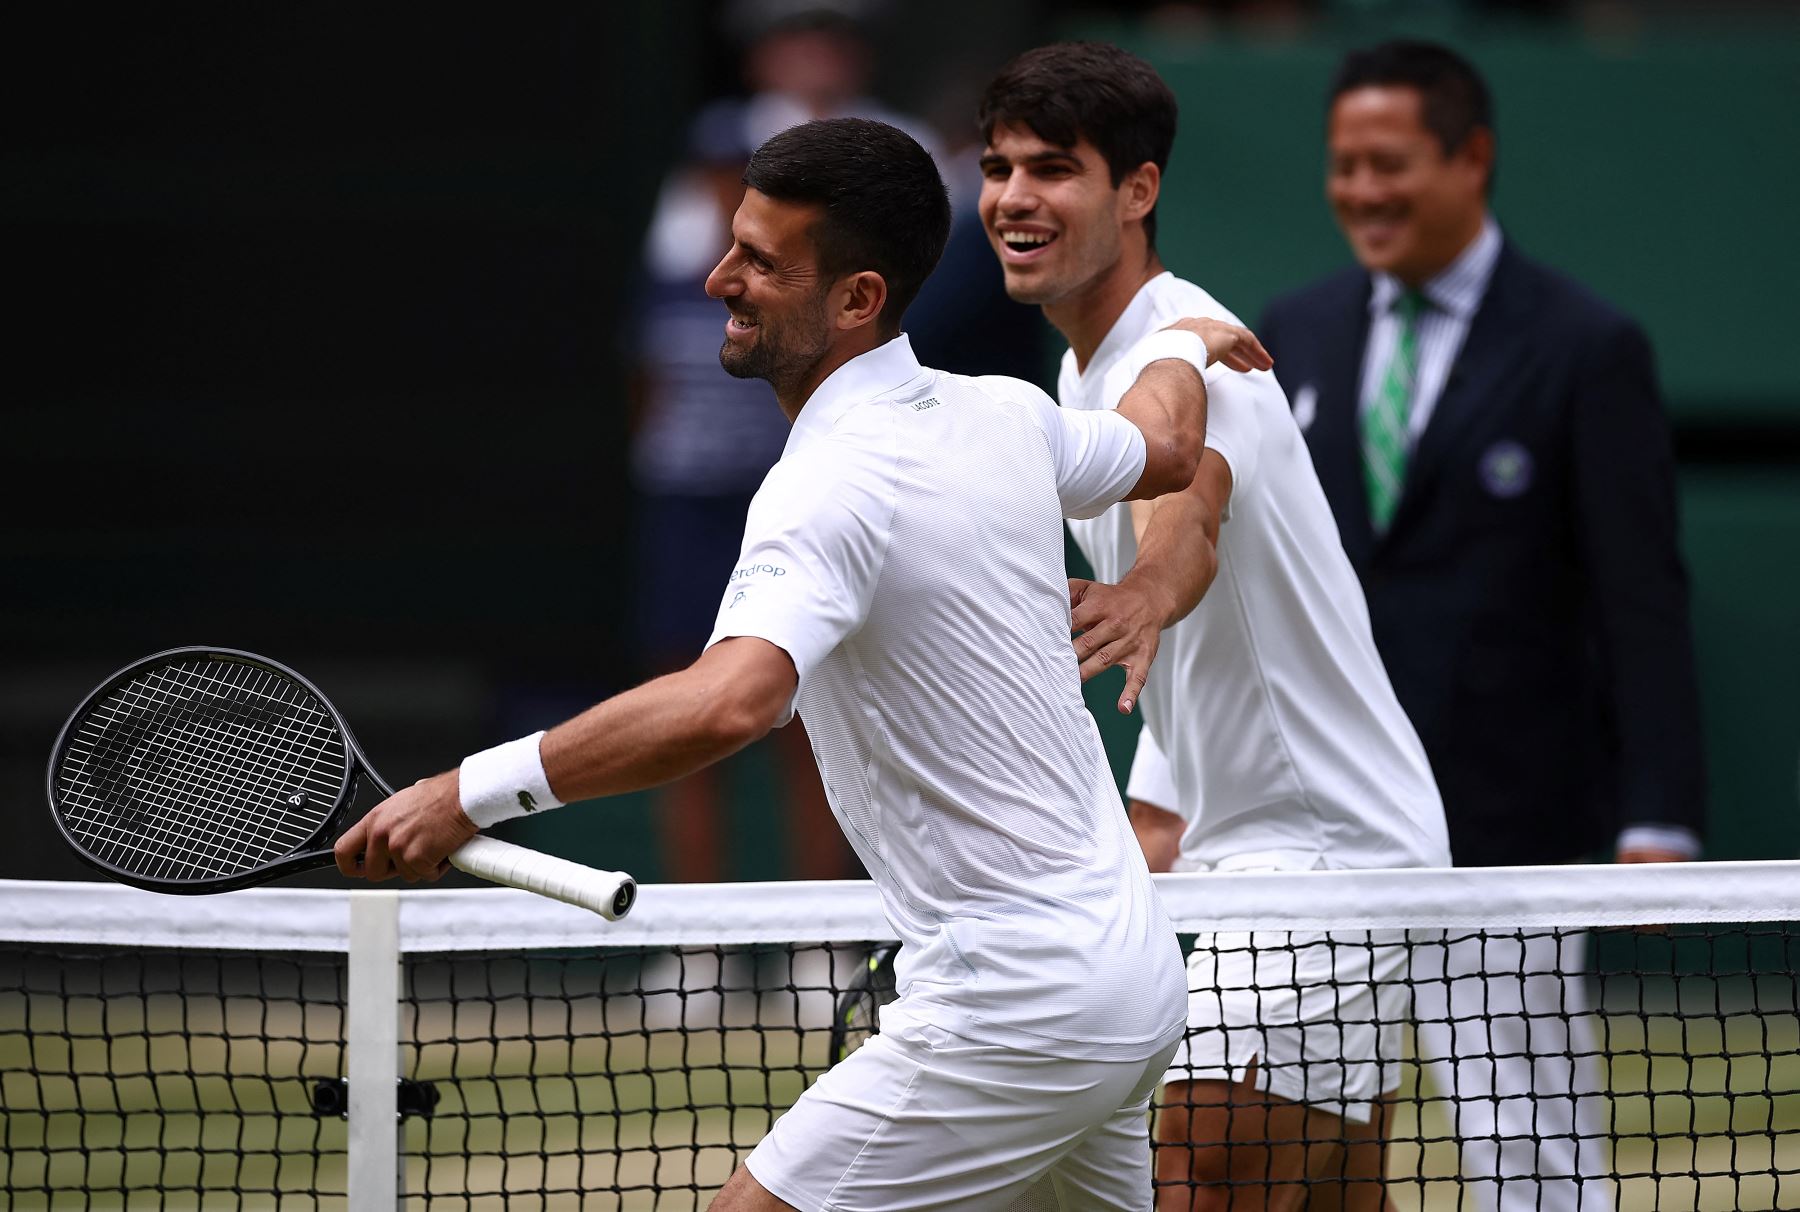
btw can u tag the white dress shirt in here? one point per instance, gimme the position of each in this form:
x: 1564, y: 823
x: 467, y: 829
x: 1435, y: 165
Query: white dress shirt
x: 906, y: 553
x: 1452, y: 298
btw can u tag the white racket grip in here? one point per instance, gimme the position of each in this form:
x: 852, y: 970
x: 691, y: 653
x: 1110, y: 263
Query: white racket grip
x: 608, y: 893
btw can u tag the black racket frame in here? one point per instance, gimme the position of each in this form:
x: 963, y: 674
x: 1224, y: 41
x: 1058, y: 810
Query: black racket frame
x: 868, y: 991
x: 356, y: 766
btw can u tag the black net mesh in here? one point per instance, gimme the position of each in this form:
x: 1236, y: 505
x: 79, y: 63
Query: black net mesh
x: 1517, y: 1069
x: 1637, y: 1069
x: 157, y: 1079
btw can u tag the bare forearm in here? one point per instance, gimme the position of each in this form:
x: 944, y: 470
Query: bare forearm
x: 661, y: 730
x: 1167, y: 403
x: 664, y: 729
x: 1178, y: 553
x: 1176, y: 560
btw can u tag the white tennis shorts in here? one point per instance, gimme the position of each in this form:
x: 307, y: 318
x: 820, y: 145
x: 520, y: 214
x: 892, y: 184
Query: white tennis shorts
x: 1322, y: 1015
x: 919, y: 1119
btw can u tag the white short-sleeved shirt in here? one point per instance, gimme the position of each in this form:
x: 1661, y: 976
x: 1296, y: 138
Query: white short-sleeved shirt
x: 1269, y: 715
x: 906, y: 553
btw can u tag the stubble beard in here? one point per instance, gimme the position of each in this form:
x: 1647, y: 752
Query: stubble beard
x: 781, y: 357
x: 1033, y: 293
x: 1060, y: 281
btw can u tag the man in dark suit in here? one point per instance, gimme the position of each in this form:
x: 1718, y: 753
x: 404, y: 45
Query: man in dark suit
x: 1491, y: 440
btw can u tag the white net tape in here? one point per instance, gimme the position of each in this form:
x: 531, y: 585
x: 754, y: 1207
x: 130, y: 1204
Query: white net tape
x: 497, y: 919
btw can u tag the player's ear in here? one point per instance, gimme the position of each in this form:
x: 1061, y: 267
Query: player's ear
x: 858, y: 299
x: 1138, y: 191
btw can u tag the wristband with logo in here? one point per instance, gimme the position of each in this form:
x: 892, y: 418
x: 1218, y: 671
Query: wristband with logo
x: 506, y: 781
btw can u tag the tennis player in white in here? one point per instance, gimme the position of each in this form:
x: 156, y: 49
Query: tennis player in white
x: 901, y: 586
x: 1272, y: 739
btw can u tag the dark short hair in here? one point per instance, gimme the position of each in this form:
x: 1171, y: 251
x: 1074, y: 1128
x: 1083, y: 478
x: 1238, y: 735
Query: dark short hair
x: 1068, y: 90
x: 1454, y: 99
x: 885, y: 204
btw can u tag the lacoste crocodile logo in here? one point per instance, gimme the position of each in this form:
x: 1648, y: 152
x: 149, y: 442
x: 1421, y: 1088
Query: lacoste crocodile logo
x: 526, y: 802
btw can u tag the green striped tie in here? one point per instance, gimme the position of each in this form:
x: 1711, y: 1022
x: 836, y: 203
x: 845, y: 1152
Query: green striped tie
x: 1384, y: 437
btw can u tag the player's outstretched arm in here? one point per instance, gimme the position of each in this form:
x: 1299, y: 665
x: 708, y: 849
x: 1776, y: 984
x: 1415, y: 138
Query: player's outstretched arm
x: 1177, y: 555
x: 1167, y: 402
x: 1176, y: 562
x: 735, y: 693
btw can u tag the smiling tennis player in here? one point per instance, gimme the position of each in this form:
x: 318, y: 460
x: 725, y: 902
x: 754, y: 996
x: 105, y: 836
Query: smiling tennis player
x: 1272, y: 738
x: 901, y: 587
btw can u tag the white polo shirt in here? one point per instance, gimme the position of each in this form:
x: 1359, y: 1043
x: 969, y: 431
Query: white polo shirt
x: 1269, y: 718
x: 906, y: 552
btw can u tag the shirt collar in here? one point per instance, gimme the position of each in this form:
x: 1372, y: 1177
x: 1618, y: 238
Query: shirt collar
x: 1458, y: 288
x: 880, y: 372
x: 1127, y: 329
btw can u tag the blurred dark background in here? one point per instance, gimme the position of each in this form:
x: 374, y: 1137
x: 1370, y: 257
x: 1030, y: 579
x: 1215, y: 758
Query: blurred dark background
x: 319, y: 340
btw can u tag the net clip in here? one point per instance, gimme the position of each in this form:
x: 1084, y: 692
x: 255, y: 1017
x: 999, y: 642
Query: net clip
x: 331, y: 1097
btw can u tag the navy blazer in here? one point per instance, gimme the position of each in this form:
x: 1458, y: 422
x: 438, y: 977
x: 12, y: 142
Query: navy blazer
x: 1528, y: 598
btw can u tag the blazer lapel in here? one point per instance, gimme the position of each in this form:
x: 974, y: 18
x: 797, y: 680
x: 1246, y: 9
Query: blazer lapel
x: 1335, y: 435
x: 1498, y: 329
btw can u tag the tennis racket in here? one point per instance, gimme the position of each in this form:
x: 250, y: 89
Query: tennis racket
x: 206, y: 769
x: 858, y: 1014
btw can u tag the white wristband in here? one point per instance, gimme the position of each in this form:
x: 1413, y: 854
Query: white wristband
x: 1176, y: 343
x: 506, y: 781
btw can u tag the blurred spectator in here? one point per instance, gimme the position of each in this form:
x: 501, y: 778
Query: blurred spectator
x: 807, y: 59
x: 702, y: 441
x: 963, y: 320
x: 1492, y: 442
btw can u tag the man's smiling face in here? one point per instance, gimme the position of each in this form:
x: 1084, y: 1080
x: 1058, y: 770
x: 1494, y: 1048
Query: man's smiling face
x: 1052, y: 214
x: 770, y: 282
x: 1406, y: 206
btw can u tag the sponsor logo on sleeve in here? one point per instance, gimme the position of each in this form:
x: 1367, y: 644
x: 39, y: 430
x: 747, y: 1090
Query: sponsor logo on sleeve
x: 743, y: 578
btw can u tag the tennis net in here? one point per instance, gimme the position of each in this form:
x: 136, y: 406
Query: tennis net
x: 486, y: 1049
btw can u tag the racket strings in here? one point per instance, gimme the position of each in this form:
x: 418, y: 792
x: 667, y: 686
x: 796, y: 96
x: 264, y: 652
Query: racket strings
x: 144, y: 749
x: 177, y: 809
x: 258, y: 766
x: 188, y: 771
x: 255, y: 770
x: 177, y: 756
